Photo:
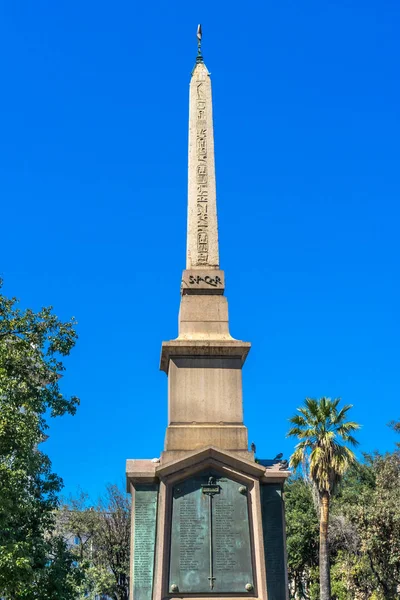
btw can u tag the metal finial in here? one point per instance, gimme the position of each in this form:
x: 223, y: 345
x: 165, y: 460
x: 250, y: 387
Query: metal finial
x: 199, y: 58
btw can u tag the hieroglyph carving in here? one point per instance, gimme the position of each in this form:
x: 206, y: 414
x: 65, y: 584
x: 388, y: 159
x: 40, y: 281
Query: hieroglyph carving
x: 201, y: 172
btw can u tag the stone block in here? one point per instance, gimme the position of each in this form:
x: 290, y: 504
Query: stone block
x: 205, y: 390
x: 193, y: 436
x: 203, y: 281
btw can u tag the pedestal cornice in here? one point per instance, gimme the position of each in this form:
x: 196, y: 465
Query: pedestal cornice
x: 150, y: 470
x: 223, y: 348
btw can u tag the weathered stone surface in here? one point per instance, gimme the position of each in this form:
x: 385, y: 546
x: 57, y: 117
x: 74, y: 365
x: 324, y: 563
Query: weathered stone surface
x: 184, y: 461
x: 203, y: 317
x: 205, y: 388
x: 204, y: 363
x: 202, y: 347
x: 143, y: 470
x: 191, y: 436
x: 213, y: 385
x: 202, y: 230
x: 203, y: 281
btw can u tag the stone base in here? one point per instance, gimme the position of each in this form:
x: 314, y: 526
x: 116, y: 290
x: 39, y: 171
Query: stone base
x: 195, y: 436
x: 154, y: 537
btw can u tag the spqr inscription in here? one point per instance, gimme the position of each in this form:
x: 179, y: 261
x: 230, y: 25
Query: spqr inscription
x: 213, y: 281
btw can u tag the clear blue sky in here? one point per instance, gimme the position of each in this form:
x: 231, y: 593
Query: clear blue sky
x: 93, y: 176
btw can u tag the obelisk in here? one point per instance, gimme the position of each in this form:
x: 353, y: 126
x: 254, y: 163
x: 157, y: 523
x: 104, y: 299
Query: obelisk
x: 204, y: 363
x: 202, y: 227
x: 207, y: 518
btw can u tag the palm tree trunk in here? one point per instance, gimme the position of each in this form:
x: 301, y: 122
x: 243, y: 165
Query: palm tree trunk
x: 324, y: 571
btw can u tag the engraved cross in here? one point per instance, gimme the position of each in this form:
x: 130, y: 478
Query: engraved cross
x: 211, y: 488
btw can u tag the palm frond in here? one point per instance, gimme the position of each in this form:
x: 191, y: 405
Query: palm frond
x: 347, y: 427
x: 323, y: 433
x: 294, y: 432
x: 312, y: 406
x: 343, y: 411
x: 297, y: 458
x: 298, y: 420
x: 350, y: 440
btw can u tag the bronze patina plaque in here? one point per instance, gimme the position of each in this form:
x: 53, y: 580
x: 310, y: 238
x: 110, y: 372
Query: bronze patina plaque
x: 210, y: 537
x: 144, y: 540
x: 274, y: 547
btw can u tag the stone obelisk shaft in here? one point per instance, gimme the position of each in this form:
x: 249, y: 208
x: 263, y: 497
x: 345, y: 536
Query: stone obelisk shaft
x: 202, y: 226
x: 204, y: 363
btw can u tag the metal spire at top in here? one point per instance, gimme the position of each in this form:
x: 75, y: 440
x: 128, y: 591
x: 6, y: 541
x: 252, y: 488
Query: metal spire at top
x: 199, y: 58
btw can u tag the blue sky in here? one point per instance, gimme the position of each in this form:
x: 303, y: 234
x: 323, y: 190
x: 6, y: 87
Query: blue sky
x: 93, y: 176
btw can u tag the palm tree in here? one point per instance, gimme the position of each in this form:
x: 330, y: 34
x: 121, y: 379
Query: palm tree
x: 323, y: 432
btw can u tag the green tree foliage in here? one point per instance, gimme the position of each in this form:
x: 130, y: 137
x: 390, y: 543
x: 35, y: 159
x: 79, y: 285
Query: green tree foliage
x: 33, y: 563
x: 364, y: 532
x: 103, y: 535
x: 375, y: 514
x: 323, y: 432
x: 302, y: 536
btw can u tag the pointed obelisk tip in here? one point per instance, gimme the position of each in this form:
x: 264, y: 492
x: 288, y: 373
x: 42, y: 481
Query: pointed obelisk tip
x: 199, y: 58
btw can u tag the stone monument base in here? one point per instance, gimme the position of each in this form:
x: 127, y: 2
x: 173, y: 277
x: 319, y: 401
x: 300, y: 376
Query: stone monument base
x: 226, y: 437
x: 207, y: 523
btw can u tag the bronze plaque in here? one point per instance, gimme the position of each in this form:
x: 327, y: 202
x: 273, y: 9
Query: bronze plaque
x: 210, y: 537
x: 145, y: 516
x: 274, y: 535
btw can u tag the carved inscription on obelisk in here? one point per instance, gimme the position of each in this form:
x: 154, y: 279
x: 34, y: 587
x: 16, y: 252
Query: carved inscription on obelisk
x: 202, y: 174
x: 202, y: 241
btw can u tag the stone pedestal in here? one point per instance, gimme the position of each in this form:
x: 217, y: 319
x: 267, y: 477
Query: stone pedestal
x: 204, y: 368
x: 208, y: 523
x: 205, y: 393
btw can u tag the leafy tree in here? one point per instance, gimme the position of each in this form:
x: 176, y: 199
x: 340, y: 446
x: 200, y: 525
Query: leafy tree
x: 103, y: 535
x: 322, y: 431
x: 364, y: 532
x: 369, y: 500
x: 351, y: 574
x: 115, y: 537
x: 302, y: 536
x: 376, y: 515
x: 33, y: 563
